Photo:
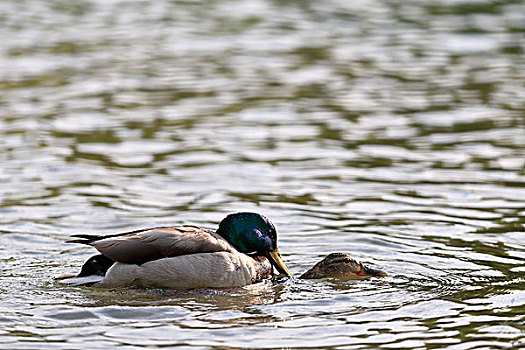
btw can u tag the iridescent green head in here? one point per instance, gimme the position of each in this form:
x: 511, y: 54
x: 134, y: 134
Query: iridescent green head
x: 252, y: 233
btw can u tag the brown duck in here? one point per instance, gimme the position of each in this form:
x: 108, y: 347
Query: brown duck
x: 341, y: 265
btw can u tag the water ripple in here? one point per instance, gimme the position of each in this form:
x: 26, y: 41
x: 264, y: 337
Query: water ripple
x: 392, y: 132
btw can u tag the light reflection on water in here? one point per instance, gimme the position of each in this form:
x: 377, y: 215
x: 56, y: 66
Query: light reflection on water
x: 393, y: 132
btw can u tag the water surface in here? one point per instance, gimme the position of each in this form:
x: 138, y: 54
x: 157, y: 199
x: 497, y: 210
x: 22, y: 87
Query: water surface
x: 393, y: 131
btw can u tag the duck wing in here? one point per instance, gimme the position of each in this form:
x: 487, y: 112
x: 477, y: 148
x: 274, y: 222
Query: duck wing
x: 140, y: 246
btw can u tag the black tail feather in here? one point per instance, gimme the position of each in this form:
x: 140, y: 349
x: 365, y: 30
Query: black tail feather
x: 88, y: 239
x: 96, y: 265
x: 84, y: 239
x: 92, y: 272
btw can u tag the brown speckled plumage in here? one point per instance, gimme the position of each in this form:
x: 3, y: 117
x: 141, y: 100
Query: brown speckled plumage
x: 340, y: 265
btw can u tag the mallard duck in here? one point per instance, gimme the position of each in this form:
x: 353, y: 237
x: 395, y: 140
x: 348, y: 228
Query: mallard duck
x: 242, y: 251
x: 341, y: 265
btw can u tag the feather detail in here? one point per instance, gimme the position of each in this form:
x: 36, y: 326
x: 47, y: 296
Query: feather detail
x: 142, y: 246
x: 75, y: 281
x: 207, y: 270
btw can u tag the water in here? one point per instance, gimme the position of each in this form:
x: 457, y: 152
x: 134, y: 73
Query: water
x: 393, y: 131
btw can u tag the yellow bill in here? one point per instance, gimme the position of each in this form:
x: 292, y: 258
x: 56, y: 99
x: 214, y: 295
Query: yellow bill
x: 277, y: 261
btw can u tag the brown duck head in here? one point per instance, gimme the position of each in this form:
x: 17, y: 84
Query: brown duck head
x: 340, y: 265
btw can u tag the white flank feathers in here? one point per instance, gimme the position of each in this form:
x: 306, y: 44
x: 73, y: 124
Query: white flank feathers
x: 206, y: 270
